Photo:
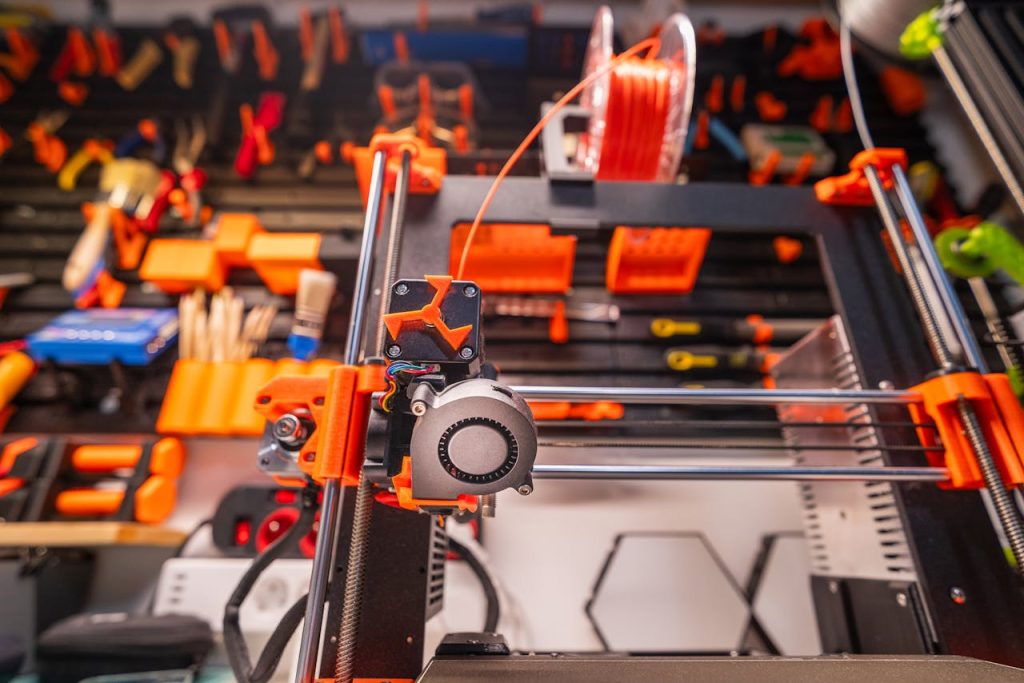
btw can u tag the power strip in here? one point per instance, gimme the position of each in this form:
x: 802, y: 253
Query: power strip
x: 201, y: 586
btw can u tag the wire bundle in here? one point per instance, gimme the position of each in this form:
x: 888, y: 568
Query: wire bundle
x: 391, y: 375
x: 639, y: 94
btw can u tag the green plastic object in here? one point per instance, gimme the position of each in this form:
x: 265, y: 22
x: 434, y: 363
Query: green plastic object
x: 922, y: 37
x: 981, y: 251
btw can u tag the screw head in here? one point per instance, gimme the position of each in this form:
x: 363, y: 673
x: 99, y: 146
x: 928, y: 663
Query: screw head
x: 466, y: 353
x: 833, y: 586
x: 957, y: 595
x: 401, y: 289
x: 901, y: 599
x: 394, y: 351
x: 470, y: 291
x: 419, y: 408
x: 524, y: 490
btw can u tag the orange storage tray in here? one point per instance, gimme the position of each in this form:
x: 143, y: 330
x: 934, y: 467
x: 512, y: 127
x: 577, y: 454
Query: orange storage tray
x: 278, y: 258
x: 179, y: 266
x: 511, y: 257
x: 655, y: 260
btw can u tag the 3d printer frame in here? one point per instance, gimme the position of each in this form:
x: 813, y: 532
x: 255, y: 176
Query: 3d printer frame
x: 950, y: 534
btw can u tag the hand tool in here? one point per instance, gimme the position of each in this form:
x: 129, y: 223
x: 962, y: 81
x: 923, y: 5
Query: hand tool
x: 126, y: 185
x: 188, y: 147
x: 138, y: 68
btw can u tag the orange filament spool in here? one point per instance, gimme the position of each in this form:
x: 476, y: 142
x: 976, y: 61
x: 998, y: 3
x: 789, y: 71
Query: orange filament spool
x: 640, y: 111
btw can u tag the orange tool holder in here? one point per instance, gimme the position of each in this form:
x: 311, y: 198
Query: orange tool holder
x: 999, y: 413
x: 655, y: 260
x: 177, y: 266
x: 853, y: 189
x: 339, y: 406
x: 511, y: 257
x: 43, y: 480
x: 427, y: 168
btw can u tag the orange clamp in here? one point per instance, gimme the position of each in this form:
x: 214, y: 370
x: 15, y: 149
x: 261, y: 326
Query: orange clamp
x: 999, y: 414
x: 430, y: 315
x: 852, y: 189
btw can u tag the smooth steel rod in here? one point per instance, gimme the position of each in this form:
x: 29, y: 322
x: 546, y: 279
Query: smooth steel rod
x: 330, y: 508
x: 356, y: 323
x: 735, y: 472
x: 947, y: 295
x: 714, y: 396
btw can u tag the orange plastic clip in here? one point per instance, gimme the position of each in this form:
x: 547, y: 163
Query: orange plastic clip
x: 72, y: 92
x: 999, y: 413
x: 50, y: 150
x: 558, y: 325
x: 715, y: 97
x: 84, y: 59
x: 422, y: 15
x: 23, y: 56
x: 852, y: 189
x: 843, y: 121
x: 225, y: 44
x: 6, y: 88
x: 769, y: 108
x: 305, y: 33
x: 339, y: 37
x: 430, y: 315
x: 5, y: 142
x: 787, y: 249
x: 466, y: 101
x: 904, y: 90
x: 803, y: 169
x: 738, y: 93
x: 818, y: 60
x: 766, y: 171
x: 821, y: 117
x: 401, y: 44
x: 108, y: 55
x: 703, y: 138
x: 264, y: 51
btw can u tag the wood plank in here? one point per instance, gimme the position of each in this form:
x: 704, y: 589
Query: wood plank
x: 86, y: 534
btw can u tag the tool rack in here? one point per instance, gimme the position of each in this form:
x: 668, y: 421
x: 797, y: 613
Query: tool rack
x: 730, y: 288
